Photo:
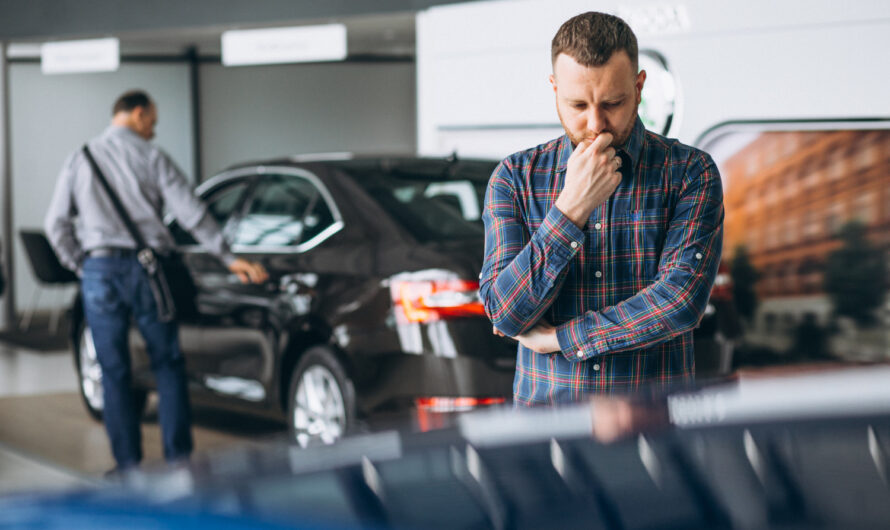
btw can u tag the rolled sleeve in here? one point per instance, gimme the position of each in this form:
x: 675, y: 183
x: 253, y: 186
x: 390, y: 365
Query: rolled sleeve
x: 189, y: 210
x: 522, y: 274
x: 179, y: 198
x: 573, y: 340
x: 557, y: 241
x: 211, y: 238
x: 59, y: 220
x: 559, y: 234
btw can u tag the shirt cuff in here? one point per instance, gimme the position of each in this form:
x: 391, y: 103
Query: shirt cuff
x: 573, y: 340
x: 557, y: 232
x: 227, y: 258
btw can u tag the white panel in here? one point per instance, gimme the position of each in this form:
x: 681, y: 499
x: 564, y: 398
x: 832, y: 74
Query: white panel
x: 495, y: 142
x: 69, y: 57
x: 494, y: 75
x: 750, y: 60
x: 494, y: 89
x: 284, y: 45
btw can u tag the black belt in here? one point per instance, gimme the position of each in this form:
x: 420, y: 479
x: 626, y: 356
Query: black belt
x: 112, y: 252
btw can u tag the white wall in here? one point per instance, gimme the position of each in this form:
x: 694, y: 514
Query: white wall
x: 51, y: 116
x: 256, y: 112
x: 487, y: 94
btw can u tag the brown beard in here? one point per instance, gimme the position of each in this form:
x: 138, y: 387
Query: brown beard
x: 617, y: 141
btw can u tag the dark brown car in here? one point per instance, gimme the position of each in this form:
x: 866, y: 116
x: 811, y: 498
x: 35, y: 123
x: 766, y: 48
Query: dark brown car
x: 372, y: 303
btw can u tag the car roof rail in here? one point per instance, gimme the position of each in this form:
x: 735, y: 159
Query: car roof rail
x: 314, y: 157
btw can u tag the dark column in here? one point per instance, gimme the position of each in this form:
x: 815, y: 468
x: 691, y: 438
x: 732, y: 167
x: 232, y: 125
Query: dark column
x: 8, y: 319
x: 197, y: 141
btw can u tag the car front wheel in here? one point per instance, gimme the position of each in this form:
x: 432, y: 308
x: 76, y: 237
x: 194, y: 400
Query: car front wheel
x: 90, y: 375
x: 321, y: 399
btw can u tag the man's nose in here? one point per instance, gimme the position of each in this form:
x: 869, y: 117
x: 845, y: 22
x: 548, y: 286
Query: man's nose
x: 596, y: 121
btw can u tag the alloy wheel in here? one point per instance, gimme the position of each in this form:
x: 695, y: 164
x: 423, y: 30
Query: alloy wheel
x: 319, y: 411
x: 90, y: 372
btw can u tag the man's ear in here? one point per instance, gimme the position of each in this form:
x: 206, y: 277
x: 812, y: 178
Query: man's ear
x: 137, y: 115
x: 638, y: 84
x: 552, y: 79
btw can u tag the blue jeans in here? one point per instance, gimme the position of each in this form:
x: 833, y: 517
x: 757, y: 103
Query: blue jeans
x: 114, y: 290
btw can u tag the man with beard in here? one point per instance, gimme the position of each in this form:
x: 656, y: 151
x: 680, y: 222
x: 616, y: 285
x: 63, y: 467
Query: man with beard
x: 601, y: 246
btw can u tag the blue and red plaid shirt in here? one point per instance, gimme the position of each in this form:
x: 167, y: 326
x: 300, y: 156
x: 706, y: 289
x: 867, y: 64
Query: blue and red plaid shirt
x: 626, y: 291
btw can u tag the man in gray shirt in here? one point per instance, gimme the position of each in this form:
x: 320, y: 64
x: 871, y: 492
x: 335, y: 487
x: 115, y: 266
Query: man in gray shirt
x: 90, y: 238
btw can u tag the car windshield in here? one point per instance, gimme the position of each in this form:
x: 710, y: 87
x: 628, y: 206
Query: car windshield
x: 434, y: 201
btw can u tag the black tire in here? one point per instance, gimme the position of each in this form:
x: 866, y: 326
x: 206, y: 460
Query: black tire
x: 89, y: 378
x: 320, y: 369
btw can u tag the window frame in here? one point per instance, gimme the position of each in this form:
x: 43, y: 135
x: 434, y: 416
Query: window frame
x: 207, y: 188
x: 706, y: 141
x: 254, y: 174
x: 714, y: 133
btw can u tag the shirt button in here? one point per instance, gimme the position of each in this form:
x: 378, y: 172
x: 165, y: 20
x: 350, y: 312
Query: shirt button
x: 698, y: 255
x: 598, y: 274
x: 598, y: 226
x: 580, y: 353
x: 596, y: 367
x: 574, y: 244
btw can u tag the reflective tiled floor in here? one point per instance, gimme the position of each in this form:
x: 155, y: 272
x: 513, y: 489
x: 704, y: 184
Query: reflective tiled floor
x: 23, y: 472
x: 48, y: 441
x: 24, y: 372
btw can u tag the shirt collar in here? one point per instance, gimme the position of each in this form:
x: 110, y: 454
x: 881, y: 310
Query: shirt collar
x: 564, y: 152
x: 121, y: 130
x: 633, y: 146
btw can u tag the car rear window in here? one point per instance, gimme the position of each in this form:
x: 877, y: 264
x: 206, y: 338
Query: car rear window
x: 432, y: 203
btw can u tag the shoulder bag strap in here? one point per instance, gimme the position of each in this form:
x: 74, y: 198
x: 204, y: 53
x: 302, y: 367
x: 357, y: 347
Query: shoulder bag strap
x: 145, y: 254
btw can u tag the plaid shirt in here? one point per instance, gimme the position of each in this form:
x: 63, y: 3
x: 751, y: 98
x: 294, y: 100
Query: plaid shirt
x: 626, y: 291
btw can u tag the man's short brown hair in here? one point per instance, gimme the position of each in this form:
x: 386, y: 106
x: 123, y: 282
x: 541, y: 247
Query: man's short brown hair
x: 130, y: 100
x: 591, y: 38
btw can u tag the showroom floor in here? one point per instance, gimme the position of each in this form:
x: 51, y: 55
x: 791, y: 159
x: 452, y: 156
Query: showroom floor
x: 49, y: 442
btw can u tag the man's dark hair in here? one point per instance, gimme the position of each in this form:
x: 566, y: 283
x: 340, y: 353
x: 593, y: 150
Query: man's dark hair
x: 591, y: 38
x: 130, y: 100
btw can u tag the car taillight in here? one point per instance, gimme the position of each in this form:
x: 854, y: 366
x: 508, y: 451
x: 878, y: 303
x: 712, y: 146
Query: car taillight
x: 434, y: 412
x: 456, y: 404
x: 432, y: 300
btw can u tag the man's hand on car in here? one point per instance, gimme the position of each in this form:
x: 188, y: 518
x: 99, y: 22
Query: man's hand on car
x: 248, y: 271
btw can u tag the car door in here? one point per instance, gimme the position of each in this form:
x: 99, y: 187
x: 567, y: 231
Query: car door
x: 284, y: 213
x: 224, y: 197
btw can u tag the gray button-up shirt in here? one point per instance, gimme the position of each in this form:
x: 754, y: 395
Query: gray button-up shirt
x: 81, y: 217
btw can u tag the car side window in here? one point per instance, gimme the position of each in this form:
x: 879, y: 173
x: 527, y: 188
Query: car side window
x: 459, y: 194
x: 221, y: 203
x: 284, y: 211
x: 318, y: 217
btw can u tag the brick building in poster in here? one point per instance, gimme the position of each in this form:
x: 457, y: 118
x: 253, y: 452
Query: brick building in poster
x: 787, y: 194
